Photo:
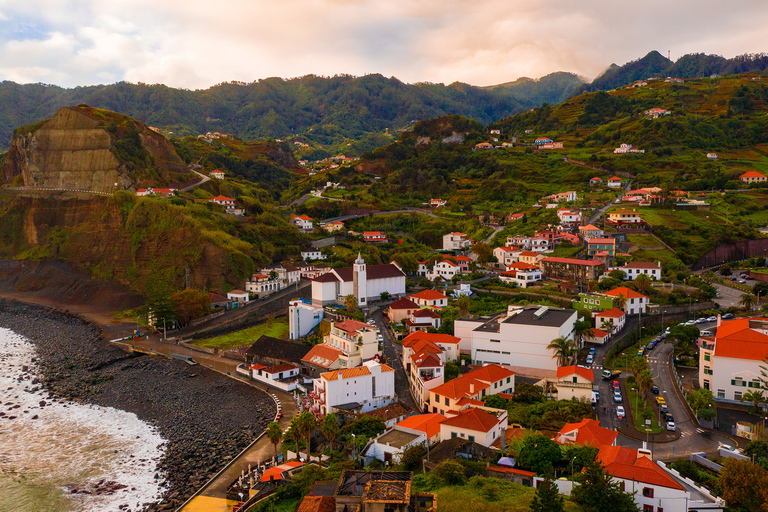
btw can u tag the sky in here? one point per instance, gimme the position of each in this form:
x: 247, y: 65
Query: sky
x: 194, y: 44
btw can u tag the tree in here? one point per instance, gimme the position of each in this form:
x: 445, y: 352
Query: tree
x: 411, y: 458
x: 527, y: 393
x: 581, y: 330
x: 725, y: 270
x: 350, y: 303
x: 495, y: 401
x: 189, y: 304
x: 330, y: 428
x: 483, y: 252
x: 643, y: 283
x: 451, y: 472
x: 757, y: 449
x: 463, y: 304
x: 618, y: 275
x: 760, y: 290
x: 305, y: 425
x: 756, y: 397
x: 547, y: 498
x: 292, y: 436
x: 644, y: 382
x: 539, y: 453
x: 620, y: 301
x: 747, y: 300
x: 385, y: 296
x: 599, y: 493
x: 744, y: 485
x: 275, y: 434
x: 700, y: 399
x: 564, y: 350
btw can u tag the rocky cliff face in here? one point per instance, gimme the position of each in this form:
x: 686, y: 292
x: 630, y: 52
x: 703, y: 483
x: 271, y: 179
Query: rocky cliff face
x: 83, y: 148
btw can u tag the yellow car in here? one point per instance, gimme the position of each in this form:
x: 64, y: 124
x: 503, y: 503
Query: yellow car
x: 660, y: 400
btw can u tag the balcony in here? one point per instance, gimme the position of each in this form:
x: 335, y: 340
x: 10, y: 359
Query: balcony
x: 580, y: 385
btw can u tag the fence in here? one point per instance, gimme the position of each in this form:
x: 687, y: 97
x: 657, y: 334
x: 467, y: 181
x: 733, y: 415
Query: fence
x: 197, y: 348
x: 701, y: 459
x: 677, y: 310
x: 206, y: 318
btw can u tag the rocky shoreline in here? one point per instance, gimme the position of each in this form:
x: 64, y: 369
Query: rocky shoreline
x: 206, y: 418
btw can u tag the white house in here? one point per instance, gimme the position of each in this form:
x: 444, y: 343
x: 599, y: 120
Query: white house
x: 587, y: 432
x: 350, y: 342
x: 423, y: 319
x: 364, y: 282
x: 303, y: 317
x: 389, y: 446
x: 303, y: 222
x: 239, y: 296
x: 217, y: 174
x: 475, y: 425
x: 523, y: 274
x: 312, y: 255
x: 456, y: 242
x: 517, y: 338
x: 431, y: 298
x: 468, y: 389
x: 506, y: 255
x: 615, y: 181
x: 224, y: 201
x: 574, y: 382
x: 636, y: 302
x: 563, y: 197
x: 362, y: 389
x: 429, y: 424
x: 424, y: 363
x: 262, y: 284
x: 445, y: 269
x: 654, y: 489
x: 568, y: 216
x: 590, y: 231
x: 449, y: 345
x: 636, y: 268
x: 614, y: 317
x: 730, y: 362
x: 437, y: 203
x: 282, y: 376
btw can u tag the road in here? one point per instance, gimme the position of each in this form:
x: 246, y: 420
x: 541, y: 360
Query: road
x: 392, y: 351
x: 407, y: 210
x: 204, y: 179
x: 602, y: 210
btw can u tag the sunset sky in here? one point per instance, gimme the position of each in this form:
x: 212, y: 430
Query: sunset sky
x: 195, y: 44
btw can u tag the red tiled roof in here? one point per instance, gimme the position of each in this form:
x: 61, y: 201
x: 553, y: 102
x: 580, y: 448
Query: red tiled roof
x: 615, y: 178
x: 459, y: 387
x: 602, y: 241
x: 222, y: 198
x: 433, y: 337
x: 403, y: 303
x: 622, y: 462
x: 735, y: 339
x: 346, y: 373
x: 473, y: 419
x: 573, y: 261
x: 325, y: 352
x: 317, y: 504
x: 599, y: 333
x: 281, y: 368
x: 428, y: 295
x: 328, y: 277
x: 529, y: 253
x: 590, y: 433
x: 501, y: 469
x: 373, y: 271
x: 425, y: 313
x: 626, y: 292
x: 589, y: 227
x: 424, y: 359
x: 521, y: 266
x: 469, y: 401
x: 752, y: 174
x: 490, y: 373
x: 582, y: 371
x: 351, y: 326
x: 463, y: 258
x: 429, y: 423
x: 611, y: 313
x: 276, y: 473
x: 418, y: 344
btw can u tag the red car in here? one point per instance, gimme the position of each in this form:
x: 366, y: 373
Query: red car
x: 616, y: 384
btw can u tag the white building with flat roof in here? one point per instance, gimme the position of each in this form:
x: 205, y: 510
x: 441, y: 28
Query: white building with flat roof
x: 303, y: 317
x: 518, y: 338
x: 360, y: 389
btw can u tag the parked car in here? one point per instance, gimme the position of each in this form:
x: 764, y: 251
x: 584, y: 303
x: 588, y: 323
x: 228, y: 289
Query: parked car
x: 712, y: 319
x: 640, y: 352
x: 620, y: 412
x: 607, y: 374
x: 706, y: 332
x: 655, y: 390
x: 615, y: 384
x: 671, y: 426
x: 590, y: 359
x: 733, y: 279
x: 701, y: 320
x: 592, y: 350
x: 690, y: 323
x: 649, y: 346
x: 744, y: 276
x: 660, y: 400
x: 668, y: 418
x: 617, y: 397
x: 742, y: 281
x: 663, y: 408
x: 727, y: 316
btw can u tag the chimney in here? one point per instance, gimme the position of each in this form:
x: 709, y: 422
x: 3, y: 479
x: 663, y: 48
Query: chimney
x: 472, y: 388
x: 643, y: 452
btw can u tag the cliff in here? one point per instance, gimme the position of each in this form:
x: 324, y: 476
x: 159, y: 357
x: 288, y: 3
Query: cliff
x: 84, y: 148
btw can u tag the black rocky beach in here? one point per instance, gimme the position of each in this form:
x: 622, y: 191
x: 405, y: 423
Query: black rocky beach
x: 206, y: 418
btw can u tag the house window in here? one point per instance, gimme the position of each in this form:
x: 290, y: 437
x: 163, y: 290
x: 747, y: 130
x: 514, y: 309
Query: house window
x: 754, y: 384
x: 720, y: 393
x: 495, y: 341
x: 648, y: 492
x: 472, y: 438
x: 446, y: 401
x: 508, y: 380
x: 647, y: 508
x: 706, y: 384
x: 707, y: 357
x: 739, y: 382
x: 737, y: 395
x: 453, y: 435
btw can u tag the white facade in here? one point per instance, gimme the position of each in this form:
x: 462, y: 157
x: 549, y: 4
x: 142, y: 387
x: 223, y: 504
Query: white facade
x: 568, y: 217
x: 312, y: 255
x: 525, y: 278
x: 444, y: 269
x: 475, y: 434
x: 372, y: 386
x: 632, y: 270
x: 302, y: 318
x: 519, y: 340
x: 655, y: 498
x: 262, y: 285
x: 282, y: 377
x: 303, y: 222
x: 335, y: 285
x: 617, y: 322
x: 456, y: 242
x: 381, y: 448
x: 506, y: 255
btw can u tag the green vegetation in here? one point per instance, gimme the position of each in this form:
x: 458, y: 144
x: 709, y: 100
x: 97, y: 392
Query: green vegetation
x: 275, y: 328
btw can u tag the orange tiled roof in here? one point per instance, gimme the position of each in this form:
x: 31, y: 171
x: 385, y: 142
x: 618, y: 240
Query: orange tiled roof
x: 459, y: 387
x: 346, y: 373
x: 473, y: 419
x: 735, y: 339
x: 428, y: 295
x: 431, y: 336
x: 425, y: 359
x: 322, y: 352
x: 625, y: 463
x: 490, y: 373
x: 276, y: 473
x: 582, y: 371
x: 403, y: 304
x: 317, y: 504
x: 611, y: 313
x: 429, y: 423
x: 590, y: 433
x: 351, y: 325
x: 752, y: 174
x: 626, y: 292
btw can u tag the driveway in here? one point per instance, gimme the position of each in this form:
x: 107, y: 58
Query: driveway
x: 729, y: 297
x: 392, y: 352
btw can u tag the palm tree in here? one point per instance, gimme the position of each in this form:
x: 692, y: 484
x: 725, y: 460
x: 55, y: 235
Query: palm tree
x: 330, y: 428
x: 644, y: 381
x: 620, y: 301
x: 747, y: 300
x: 463, y: 304
x: 275, y: 434
x: 292, y: 436
x: 606, y: 325
x: 565, y: 350
x: 581, y: 330
x: 350, y: 303
x: 305, y: 425
x: 756, y: 397
x: 643, y: 283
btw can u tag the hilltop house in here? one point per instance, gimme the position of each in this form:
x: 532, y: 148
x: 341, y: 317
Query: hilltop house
x: 506, y: 255
x: 636, y: 303
x: 437, y: 203
x: 162, y: 192
x: 563, y: 197
x: 332, y: 227
x: 226, y: 202
x: 753, y: 177
x: 303, y: 222
x: 431, y: 298
x: 596, y: 181
x: 590, y: 231
x: 637, y: 268
x: 217, y: 174
x: 456, y: 242
x: 655, y: 113
x: 574, y: 382
x: 568, y: 217
x: 445, y: 269
x: 615, y: 181
x: 374, y: 237
x: 624, y: 218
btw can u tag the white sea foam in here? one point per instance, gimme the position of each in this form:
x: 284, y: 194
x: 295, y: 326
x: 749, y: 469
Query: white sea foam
x: 68, y: 444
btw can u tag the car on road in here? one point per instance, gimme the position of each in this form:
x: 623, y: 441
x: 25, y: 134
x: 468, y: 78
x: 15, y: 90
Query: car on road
x: 701, y: 320
x: 615, y: 384
x: 380, y: 337
x: 743, y: 276
x: 690, y: 323
x: 617, y: 397
x: 608, y: 375
x: 655, y: 390
x: 671, y: 426
x: 590, y: 359
x: 660, y: 400
x: 649, y: 346
x: 592, y: 350
x: 733, y: 279
x: 620, y: 412
x: 185, y: 358
x: 668, y: 417
x: 712, y: 319
x: 742, y: 281
x: 663, y: 408
x: 727, y: 316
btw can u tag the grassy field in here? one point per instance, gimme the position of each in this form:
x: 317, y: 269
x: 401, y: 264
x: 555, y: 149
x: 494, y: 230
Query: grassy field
x: 638, y: 407
x: 276, y: 328
x: 495, y: 495
x: 648, y: 248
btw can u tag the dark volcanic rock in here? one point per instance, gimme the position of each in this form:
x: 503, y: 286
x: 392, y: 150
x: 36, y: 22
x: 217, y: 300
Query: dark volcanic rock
x: 206, y: 420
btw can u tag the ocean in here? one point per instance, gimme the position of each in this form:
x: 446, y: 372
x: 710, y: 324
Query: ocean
x: 107, y: 456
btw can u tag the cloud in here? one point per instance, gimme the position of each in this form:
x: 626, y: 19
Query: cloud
x: 196, y: 44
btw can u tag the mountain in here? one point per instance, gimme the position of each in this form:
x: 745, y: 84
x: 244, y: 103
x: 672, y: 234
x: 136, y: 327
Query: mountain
x: 551, y: 89
x: 653, y: 64
x: 83, y: 148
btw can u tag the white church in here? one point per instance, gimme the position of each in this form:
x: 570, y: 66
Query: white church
x: 364, y: 282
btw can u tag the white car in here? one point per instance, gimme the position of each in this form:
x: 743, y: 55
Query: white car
x: 617, y: 397
x: 620, y: 412
x: 690, y: 322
